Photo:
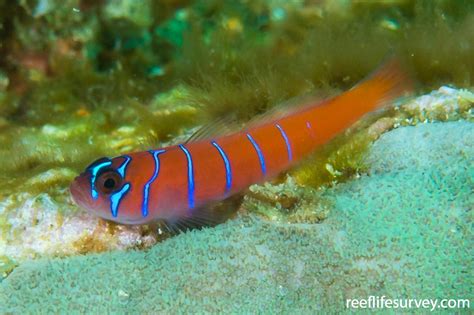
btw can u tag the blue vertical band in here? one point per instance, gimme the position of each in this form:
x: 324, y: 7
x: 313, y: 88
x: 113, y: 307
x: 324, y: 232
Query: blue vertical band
x: 287, y: 142
x: 146, y: 188
x: 122, y: 169
x: 94, y: 169
x: 259, y: 153
x: 190, y: 176
x: 228, y: 171
x: 116, y: 198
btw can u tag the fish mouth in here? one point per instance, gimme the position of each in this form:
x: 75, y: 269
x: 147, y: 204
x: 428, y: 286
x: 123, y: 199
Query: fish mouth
x: 77, y: 193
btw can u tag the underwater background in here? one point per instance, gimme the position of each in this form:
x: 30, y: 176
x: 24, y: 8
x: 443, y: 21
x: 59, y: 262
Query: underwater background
x: 384, y: 209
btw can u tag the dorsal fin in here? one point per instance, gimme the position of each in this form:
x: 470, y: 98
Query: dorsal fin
x: 221, y: 127
x: 229, y: 124
x: 287, y: 107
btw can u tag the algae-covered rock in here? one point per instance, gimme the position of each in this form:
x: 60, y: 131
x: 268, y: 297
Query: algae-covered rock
x: 403, y: 231
x: 287, y: 202
x: 139, y: 12
x: 444, y: 104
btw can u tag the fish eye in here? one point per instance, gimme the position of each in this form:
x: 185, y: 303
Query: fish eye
x: 108, y: 181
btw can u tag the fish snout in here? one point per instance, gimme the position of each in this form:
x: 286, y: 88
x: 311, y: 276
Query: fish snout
x: 79, y: 191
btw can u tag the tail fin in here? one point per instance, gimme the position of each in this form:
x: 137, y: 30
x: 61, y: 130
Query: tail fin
x: 385, y: 84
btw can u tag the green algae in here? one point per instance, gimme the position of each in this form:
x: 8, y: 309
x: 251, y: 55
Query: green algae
x: 224, y: 72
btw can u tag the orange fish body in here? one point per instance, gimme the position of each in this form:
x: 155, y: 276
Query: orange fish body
x: 175, y: 183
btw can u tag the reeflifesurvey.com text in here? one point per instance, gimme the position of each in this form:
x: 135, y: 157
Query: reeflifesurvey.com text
x: 383, y: 302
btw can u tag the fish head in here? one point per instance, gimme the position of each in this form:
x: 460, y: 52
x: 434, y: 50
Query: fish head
x: 100, y: 188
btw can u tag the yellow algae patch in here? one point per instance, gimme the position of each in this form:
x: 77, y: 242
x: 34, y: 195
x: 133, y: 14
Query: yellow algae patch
x: 287, y: 202
x: 6, y: 266
x: 233, y: 24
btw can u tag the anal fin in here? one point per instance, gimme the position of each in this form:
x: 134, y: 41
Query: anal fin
x: 207, y: 216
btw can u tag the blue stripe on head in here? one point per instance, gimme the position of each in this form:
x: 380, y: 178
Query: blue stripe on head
x: 190, y: 176
x: 94, y: 169
x: 259, y: 153
x: 116, y: 198
x: 146, y: 188
x: 287, y: 142
x: 123, y: 168
x: 228, y: 171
